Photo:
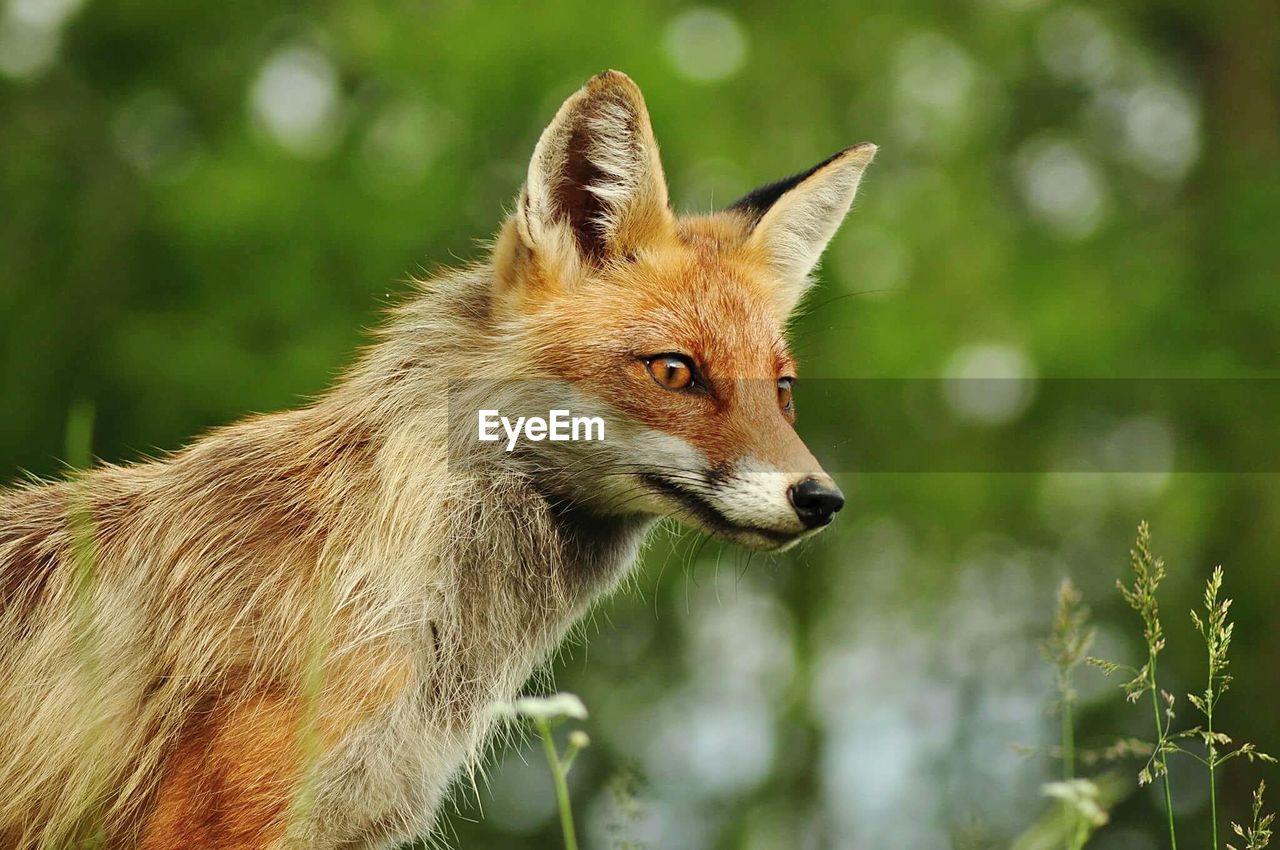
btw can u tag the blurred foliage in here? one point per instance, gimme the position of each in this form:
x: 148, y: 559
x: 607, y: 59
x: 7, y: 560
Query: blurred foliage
x: 205, y: 204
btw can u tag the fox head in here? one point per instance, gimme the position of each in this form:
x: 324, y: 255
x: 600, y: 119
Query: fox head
x: 672, y: 329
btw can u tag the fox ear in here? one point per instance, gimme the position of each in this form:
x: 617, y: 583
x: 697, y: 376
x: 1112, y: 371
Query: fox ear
x: 595, y: 185
x: 792, y: 220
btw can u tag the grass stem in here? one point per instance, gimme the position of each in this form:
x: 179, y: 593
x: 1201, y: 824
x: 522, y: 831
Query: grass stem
x: 1068, y: 743
x: 1160, y: 754
x: 1213, y: 785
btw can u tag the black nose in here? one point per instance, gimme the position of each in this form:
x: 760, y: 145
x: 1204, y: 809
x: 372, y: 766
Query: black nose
x: 815, y: 503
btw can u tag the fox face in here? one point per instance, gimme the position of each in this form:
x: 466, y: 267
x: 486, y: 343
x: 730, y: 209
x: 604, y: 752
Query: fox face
x: 671, y: 329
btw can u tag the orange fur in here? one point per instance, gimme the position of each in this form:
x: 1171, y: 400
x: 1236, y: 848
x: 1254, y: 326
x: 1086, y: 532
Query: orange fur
x: 239, y: 768
x: 689, y: 293
x: 229, y: 784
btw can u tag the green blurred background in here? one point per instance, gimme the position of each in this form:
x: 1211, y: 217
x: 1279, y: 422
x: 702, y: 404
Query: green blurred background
x: 204, y: 205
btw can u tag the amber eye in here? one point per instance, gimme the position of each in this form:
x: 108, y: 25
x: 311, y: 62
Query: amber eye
x: 784, y: 394
x: 671, y: 371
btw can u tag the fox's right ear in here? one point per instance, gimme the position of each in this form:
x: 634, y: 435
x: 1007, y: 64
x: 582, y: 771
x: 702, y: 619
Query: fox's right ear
x: 595, y: 190
x: 791, y: 221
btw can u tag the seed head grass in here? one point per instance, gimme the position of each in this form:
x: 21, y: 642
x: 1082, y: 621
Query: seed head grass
x: 1257, y: 835
x: 1148, y: 573
x: 1216, y: 630
x: 1065, y: 648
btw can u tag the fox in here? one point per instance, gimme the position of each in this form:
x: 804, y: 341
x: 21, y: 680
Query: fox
x: 293, y: 631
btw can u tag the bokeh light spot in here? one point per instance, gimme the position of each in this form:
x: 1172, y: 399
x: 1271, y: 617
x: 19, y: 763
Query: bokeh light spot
x: 706, y: 44
x: 1162, y: 130
x: 1062, y: 187
x: 295, y: 99
x: 988, y: 384
x: 30, y: 32
x: 933, y: 91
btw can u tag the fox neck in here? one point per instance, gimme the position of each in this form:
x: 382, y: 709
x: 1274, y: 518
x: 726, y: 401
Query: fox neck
x: 443, y: 340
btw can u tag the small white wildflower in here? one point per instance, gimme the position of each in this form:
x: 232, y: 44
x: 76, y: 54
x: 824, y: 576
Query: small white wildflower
x: 554, y: 707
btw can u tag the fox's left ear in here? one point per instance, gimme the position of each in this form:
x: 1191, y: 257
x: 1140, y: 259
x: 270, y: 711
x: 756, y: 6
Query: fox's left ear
x: 792, y: 220
x: 595, y: 190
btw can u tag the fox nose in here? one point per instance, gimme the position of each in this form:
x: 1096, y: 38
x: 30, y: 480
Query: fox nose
x: 816, y: 503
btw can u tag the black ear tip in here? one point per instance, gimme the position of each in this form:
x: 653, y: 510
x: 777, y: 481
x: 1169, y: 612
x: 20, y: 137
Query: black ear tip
x: 757, y: 202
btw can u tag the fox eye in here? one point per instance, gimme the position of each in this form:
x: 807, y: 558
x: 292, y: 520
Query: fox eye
x: 784, y: 394
x: 671, y: 371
